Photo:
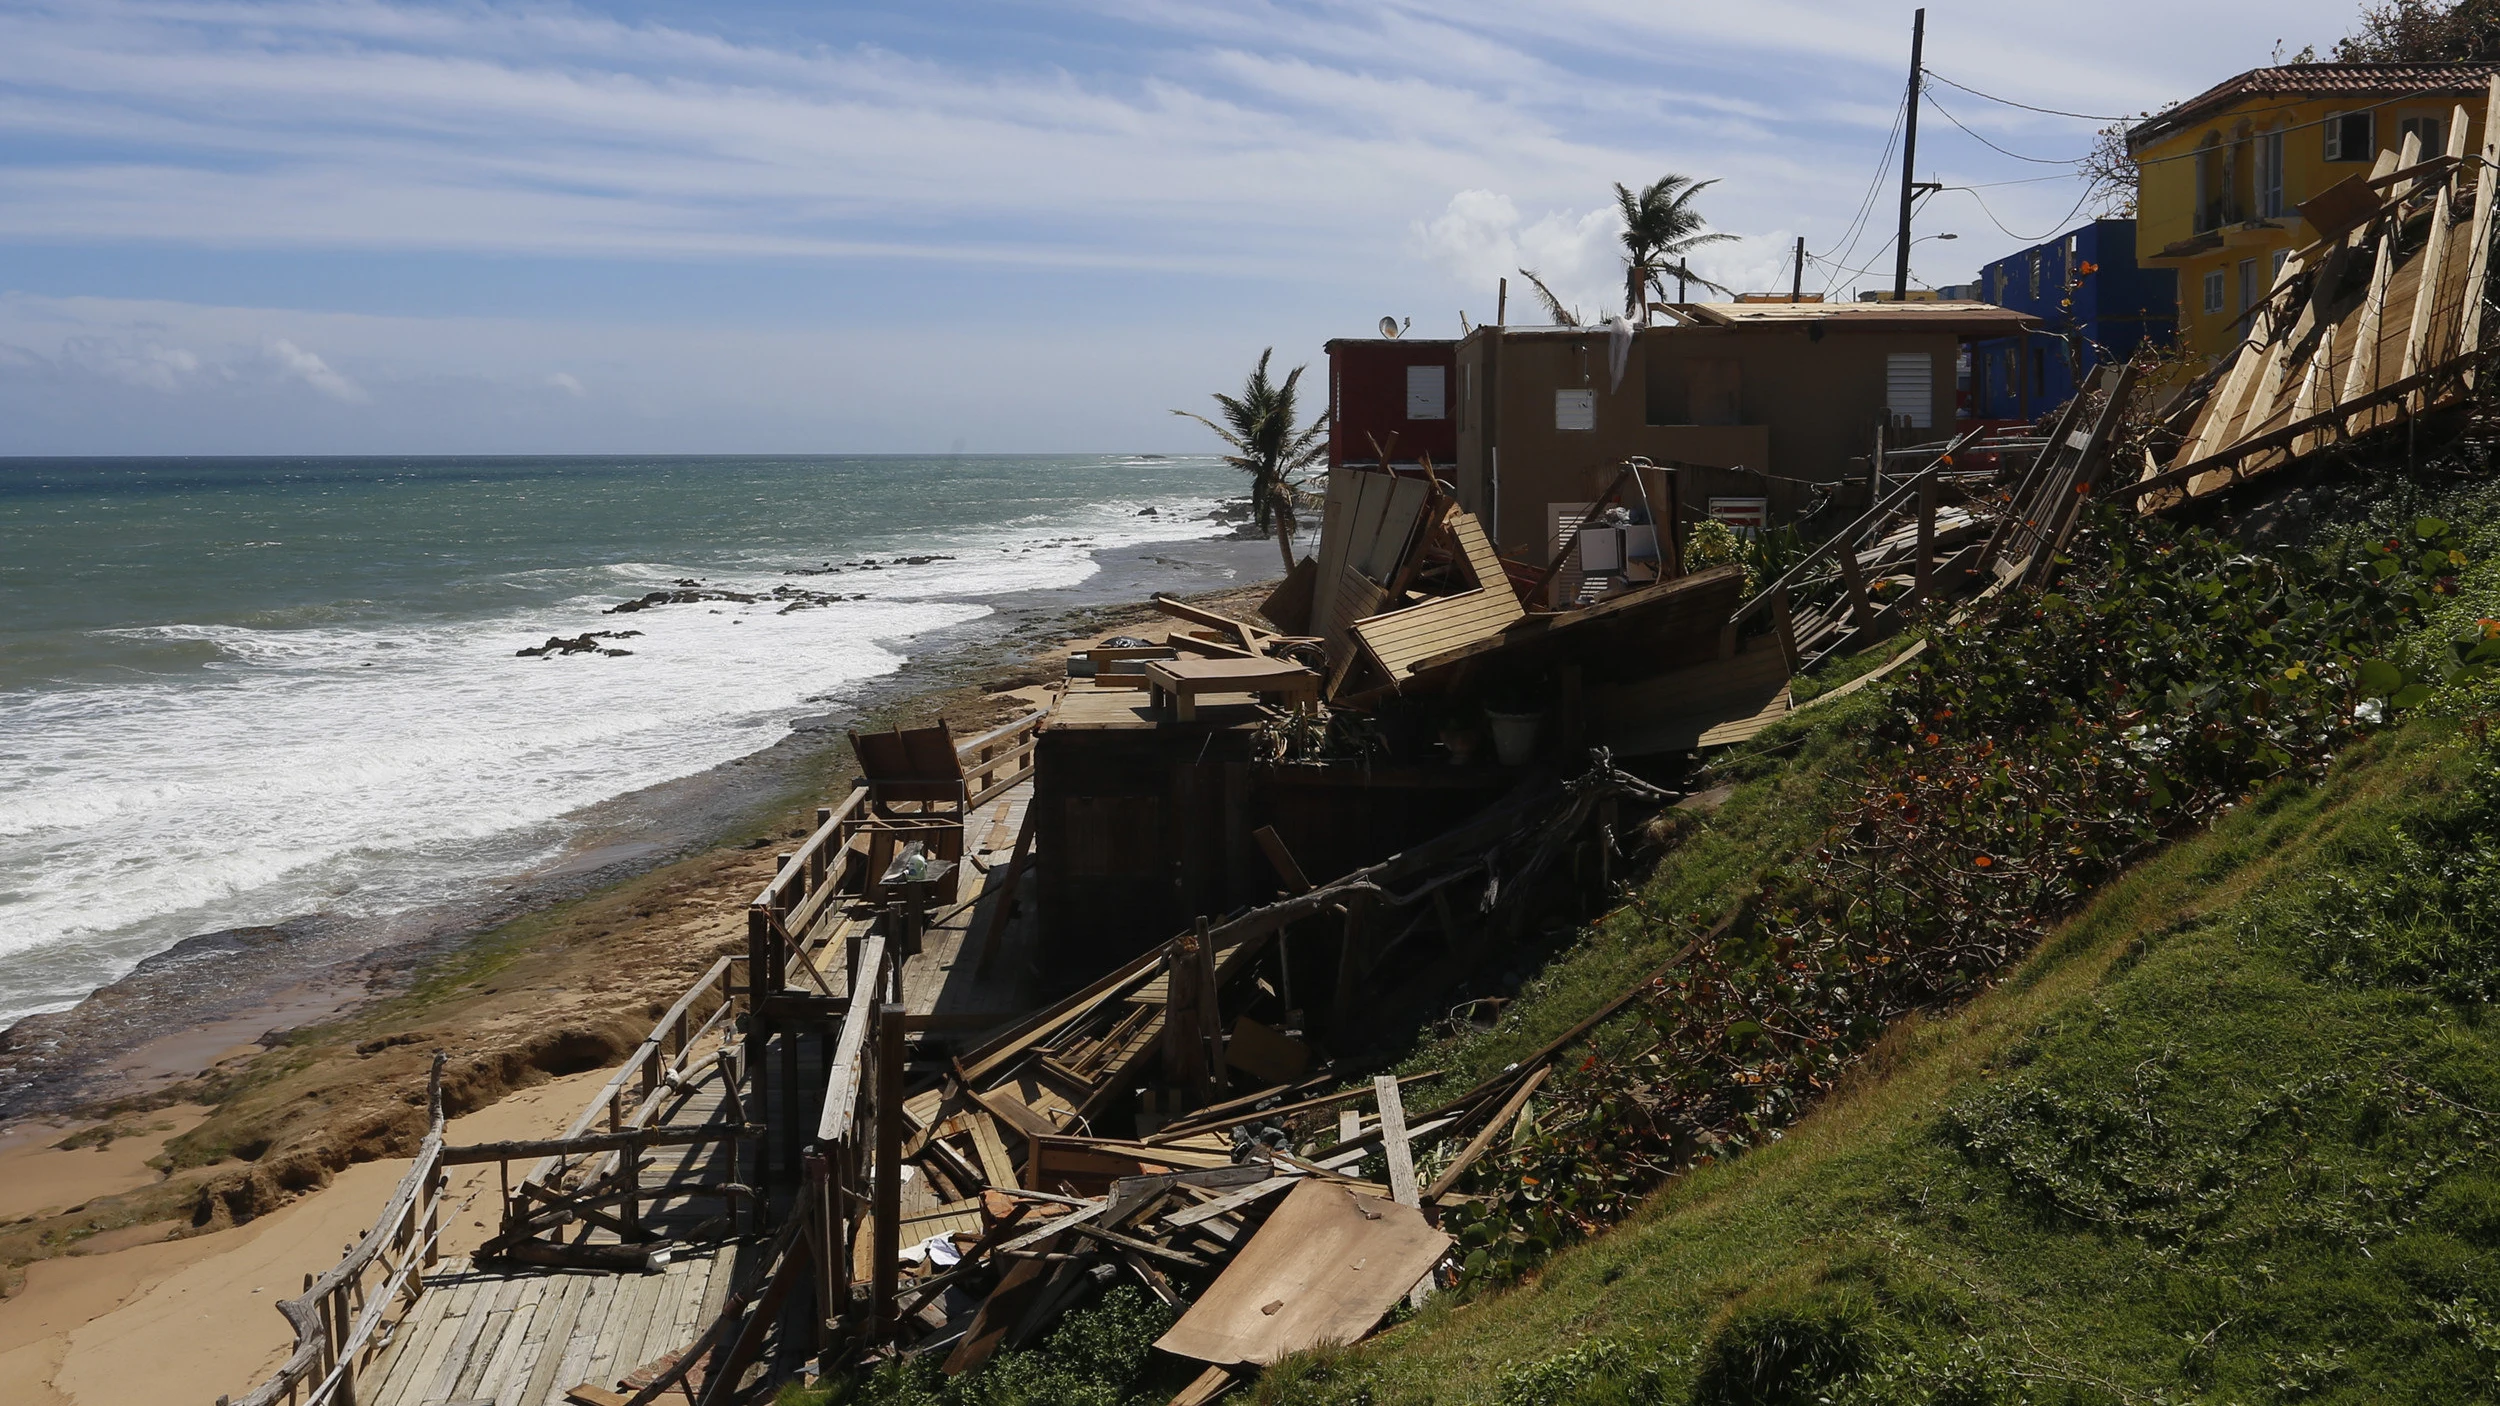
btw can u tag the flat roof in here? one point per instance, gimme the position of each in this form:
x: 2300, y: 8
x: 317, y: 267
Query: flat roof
x: 1977, y: 319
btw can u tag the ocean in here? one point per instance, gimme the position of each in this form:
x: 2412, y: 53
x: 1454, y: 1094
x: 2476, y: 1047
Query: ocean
x: 238, y: 691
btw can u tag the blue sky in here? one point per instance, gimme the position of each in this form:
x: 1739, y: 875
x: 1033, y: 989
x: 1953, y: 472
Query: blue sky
x: 230, y: 226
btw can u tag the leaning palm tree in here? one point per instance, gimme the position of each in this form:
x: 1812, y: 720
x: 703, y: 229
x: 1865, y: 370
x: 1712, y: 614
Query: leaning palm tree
x: 1661, y: 227
x: 1258, y: 424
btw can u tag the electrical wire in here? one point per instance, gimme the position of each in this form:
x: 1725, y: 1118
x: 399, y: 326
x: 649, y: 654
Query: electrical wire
x: 2009, y: 102
x: 1866, y: 205
x: 2080, y: 201
x: 1992, y: 146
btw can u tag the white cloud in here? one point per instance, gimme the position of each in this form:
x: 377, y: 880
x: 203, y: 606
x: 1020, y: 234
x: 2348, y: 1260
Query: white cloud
x: 568, y: 383
x: 314, y: 372
x: 145, y: 364
x: 1480, y: 238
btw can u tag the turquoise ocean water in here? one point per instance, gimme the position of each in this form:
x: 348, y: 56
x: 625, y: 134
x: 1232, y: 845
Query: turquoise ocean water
x: 233, y: 691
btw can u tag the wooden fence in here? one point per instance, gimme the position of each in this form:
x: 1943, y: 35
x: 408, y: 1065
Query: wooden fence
x: 343, y: 1318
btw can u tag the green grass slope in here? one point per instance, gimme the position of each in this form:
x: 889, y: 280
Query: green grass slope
x: 2233, y: 1134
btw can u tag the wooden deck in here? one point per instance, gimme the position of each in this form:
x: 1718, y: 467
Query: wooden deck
x: 525, y: 1337
x: 522, y: 1336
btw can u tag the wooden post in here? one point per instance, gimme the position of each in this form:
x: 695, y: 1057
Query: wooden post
x: 1784, y: 628
x: 1925, y: 577
x: 1352, y: 960
x: 1401, y: 1160
x: 1210, y: 1019
x: 791, y: 1099
x: 758, y: 1035
x: 629, y: 1170
x: 888, y: 1248
x: 1845, y: 555
x: 1184, y: 1044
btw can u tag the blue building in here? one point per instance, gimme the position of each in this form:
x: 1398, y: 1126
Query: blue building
x: 2093, y: 303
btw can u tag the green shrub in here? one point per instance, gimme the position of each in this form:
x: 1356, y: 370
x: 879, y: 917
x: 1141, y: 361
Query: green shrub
x: 1786, y: 1342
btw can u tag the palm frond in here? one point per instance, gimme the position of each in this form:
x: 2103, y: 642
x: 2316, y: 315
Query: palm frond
x: 1563, y: 316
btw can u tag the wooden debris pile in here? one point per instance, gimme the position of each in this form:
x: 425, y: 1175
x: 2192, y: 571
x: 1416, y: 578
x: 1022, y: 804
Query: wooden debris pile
x: 2381, y: 321
x: 1160, y: 1126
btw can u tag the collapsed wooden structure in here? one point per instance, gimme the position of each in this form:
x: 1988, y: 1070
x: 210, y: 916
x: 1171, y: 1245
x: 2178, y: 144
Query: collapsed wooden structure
x: 2381, y: 321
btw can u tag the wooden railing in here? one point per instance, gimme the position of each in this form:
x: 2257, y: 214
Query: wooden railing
x: 1825, y: 592
x: 342, y: 1318
x: 859, y: 1133
x: 802, y: 892
x: 671, y: 1057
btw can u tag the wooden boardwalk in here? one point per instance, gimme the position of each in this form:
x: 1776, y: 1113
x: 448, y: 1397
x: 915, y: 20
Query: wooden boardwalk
x: 524, y: 1336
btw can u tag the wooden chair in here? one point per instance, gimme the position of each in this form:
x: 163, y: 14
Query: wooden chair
x: 916, y: 791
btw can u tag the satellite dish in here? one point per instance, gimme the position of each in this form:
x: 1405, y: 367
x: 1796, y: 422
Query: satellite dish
x: 1389, y: 327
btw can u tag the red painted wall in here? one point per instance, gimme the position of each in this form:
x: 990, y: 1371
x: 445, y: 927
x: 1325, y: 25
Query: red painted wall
x: 1367, y: 399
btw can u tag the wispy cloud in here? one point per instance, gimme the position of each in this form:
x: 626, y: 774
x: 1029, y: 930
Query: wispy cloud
x: 1183, y: 177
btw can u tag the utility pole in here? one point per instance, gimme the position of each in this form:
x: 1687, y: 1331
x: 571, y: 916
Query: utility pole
x: 1909, y: 158
x: 1797, y: 280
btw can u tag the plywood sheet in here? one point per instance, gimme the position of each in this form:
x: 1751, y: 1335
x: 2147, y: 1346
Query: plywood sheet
x: 1723, y: 701
x: 1323, y: 1269
x: 1402, y: 509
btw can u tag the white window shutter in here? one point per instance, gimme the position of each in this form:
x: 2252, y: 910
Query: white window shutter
x: 1427, y: 392
x: 1910, y: 388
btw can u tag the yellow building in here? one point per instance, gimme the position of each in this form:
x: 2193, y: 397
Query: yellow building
x: 2222, y: 175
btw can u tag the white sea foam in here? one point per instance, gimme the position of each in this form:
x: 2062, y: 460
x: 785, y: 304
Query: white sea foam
x: 367, y: 770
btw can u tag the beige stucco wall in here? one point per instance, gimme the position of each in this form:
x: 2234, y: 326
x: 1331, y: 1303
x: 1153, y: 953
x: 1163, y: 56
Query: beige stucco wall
x: 1806, y: 407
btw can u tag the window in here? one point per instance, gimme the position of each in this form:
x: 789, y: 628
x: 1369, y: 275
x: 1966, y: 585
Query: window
x: 1575, y: 410
x: 2213, y: 183
x: 2035, y: 273
x: 2348, y: 137
x: 2213, y: 291
x: 2274, y: 271
x: 1427, y: 392
x: 2248, y: 284
x: 1910, y: 388
x: 2270, y: 176
x: 2427, y: 128
x: 1999, y: 299
x: 2039, y: 373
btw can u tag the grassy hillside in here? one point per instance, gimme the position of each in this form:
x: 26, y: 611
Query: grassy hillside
x: 2228, y: 1135
x: 2230, y: 1132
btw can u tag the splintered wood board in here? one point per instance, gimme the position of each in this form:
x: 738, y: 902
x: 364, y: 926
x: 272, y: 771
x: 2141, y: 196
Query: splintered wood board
x: 1329, y: 1263
x: 1402, y: 639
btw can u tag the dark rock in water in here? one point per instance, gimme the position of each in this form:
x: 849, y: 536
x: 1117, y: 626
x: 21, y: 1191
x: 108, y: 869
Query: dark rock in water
x: 1147, y: 512
x: 579, y: 644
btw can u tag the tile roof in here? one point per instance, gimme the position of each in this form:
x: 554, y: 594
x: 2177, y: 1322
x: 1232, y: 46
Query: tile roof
x: 2319, y: 80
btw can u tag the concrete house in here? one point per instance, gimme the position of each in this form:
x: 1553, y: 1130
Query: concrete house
x: 2222, y: 176
x: 1757, y: 401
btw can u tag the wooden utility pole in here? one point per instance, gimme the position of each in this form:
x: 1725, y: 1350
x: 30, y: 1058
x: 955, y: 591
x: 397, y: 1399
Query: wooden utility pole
x: 1909, y: 156
x: 1797, y: 278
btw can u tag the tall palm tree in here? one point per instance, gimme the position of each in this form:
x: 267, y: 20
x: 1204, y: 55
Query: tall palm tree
x: 1258, y: 425
x: 1660, y: 227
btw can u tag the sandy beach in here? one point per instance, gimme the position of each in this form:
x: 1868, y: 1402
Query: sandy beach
x: 233, y: 1154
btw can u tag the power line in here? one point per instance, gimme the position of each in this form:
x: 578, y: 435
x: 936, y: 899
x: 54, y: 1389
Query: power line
x: 1992, y: 146
x: 1866, y: 205
x: 2025, y: 238
x: 2009, y: 102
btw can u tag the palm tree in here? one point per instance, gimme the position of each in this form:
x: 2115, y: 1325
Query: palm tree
x: 1258, y: 424
x: 1660, y: 227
